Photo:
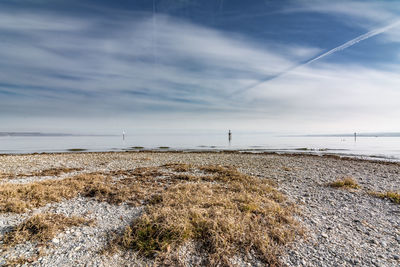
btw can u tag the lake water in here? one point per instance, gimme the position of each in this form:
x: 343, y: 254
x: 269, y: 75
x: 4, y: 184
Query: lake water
x: 387, y: 148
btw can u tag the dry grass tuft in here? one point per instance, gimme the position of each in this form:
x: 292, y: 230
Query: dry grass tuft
x: 140, y: 172
x: 179, y: 167
x: 346, y: 182
x: 392, y: 196
x: 186, y: 177
x: 215, y: 168
x: 16, y: 261
x: 48, y: 172
x: 41, y: 228
x: 20, y: 197
x: 55, y: 171
x: 6, y: 175
x: 227, y: 214
x: 137, y: 188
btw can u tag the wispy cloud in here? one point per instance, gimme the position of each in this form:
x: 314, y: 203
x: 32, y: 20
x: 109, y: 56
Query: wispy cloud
x: 347, y: 44
x: 356, y: 40
x: 141, y: 70
x: 172, y: 64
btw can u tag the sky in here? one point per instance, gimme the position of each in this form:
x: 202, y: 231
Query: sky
x: 300, y: 66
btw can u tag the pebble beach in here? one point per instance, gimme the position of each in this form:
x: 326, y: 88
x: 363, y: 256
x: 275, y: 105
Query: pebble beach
x: 342, y: 227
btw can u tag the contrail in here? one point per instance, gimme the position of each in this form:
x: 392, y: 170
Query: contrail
x: 334, y: 50
x: 355, y: 41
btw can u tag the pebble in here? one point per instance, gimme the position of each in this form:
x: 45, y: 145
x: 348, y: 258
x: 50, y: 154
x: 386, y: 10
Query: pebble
x: 352, y: 217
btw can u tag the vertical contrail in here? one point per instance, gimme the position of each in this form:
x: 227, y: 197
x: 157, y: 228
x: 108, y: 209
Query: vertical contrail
x: 334, y: 50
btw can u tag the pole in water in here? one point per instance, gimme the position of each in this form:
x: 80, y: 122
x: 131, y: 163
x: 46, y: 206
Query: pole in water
x: 123, y: 135
x: 355, y: 137
x: 229, y: 136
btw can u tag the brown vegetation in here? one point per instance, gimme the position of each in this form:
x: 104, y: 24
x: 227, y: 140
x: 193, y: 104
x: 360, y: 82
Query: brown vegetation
x: 41, y: 228
x: 224, y: 212
x: 16, y: 261
x: 142, y: 172
x: 48, y: 172
x: 179, y: 167
x: 133, y: 190
x: 53, y: 172
x: 6, y: 175
x: 392, y: 196
x: 227, y: 214
x: 20, y: 197
x: 346, y: 182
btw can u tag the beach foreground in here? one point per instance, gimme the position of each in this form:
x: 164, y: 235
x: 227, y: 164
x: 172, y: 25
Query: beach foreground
x: 190, y: 209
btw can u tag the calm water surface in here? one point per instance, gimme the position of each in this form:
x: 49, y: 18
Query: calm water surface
x: 374, y: 147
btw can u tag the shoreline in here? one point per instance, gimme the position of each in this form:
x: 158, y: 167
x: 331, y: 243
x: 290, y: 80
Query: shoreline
x: 338, y: 156
x: 344, y: 227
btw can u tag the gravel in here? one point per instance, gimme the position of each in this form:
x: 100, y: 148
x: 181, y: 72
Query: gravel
x: 343, y: 227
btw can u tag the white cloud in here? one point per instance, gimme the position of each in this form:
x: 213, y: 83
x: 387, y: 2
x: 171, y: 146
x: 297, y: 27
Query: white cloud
x: 138, y: 70
x: 172, y: 59
x: 365, y: 14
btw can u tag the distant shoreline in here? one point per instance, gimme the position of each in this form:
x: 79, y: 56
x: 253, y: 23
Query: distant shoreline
x: 40, y: 134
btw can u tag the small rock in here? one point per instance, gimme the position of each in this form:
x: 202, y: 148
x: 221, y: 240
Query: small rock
x: 396, y: 257
x: 354, y: 261
x: 55, y: 240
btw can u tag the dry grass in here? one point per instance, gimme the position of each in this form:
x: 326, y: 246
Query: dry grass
x: 227, y: 214
x: 54, y: 172
x: 20, y: 197
x: 6, y: 175
x: 41, y: 228
x: 16, y: 261
x: 142, y: 172
x: 346, y: 182
x: 179, y: 167
x: 48, y: 172
x: 392, y: 196
x: 139, y: 187
x: 187, y: 177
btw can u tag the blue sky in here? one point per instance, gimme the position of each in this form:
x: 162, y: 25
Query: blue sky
x: 104, y: 66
